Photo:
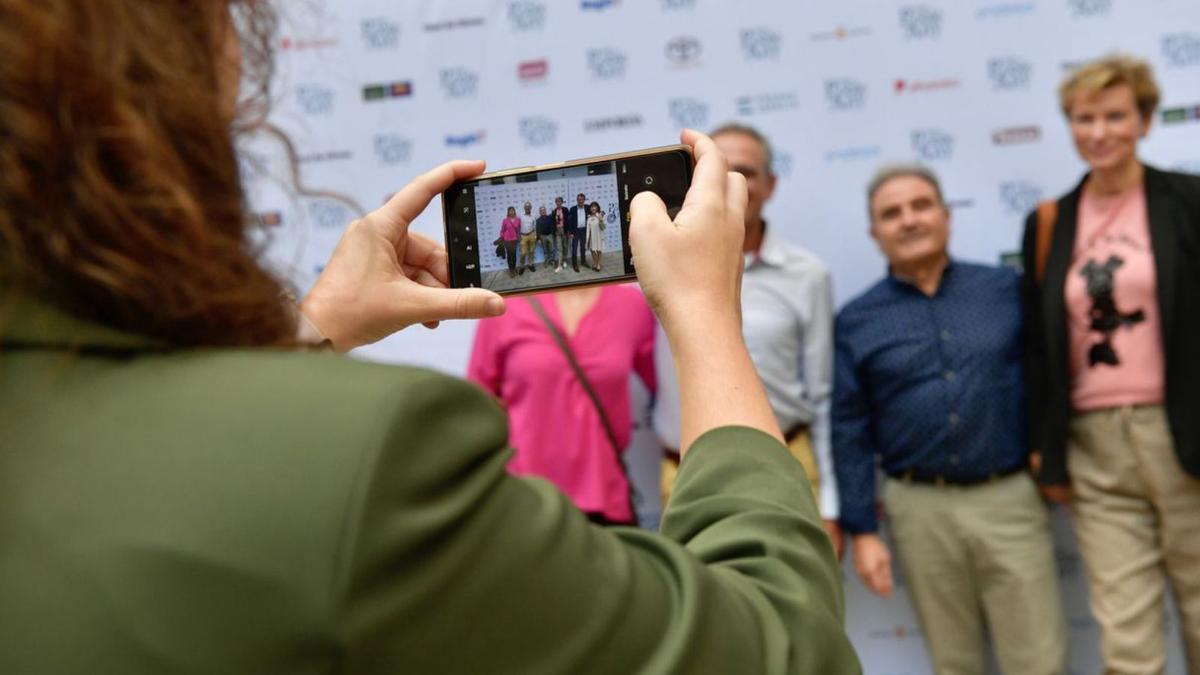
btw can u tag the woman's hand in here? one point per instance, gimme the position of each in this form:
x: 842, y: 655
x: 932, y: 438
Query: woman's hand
x: 383, y: 278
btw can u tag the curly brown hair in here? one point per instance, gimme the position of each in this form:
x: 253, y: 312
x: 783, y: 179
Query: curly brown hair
x: 120, y: 197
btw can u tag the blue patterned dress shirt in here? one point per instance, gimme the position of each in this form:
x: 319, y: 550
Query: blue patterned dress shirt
x: 931, y: 385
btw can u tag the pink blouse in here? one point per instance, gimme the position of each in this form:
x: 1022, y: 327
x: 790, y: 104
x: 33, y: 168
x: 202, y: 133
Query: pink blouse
x: 510, y: 229
x: 553, y: 425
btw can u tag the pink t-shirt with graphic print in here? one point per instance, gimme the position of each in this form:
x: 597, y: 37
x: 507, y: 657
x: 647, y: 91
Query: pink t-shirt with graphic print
x: 1113, y: 328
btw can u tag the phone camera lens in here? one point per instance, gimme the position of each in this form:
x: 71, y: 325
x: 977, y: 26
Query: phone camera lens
x: 649, y: 180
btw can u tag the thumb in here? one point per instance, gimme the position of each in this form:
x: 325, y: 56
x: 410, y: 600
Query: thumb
x: 441, y: 304
x: 646, y: 209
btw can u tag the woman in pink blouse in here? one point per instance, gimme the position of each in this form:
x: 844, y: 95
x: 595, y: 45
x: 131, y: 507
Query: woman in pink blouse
x: 510, y: 234
x: 553, y: 423
x: 1112, y: 294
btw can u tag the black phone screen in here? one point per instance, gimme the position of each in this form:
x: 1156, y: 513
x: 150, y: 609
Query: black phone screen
x: 561, y: 226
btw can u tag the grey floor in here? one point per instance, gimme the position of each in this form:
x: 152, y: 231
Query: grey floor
x: 500, y: 281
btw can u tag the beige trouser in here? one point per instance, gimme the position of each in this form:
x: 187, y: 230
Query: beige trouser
x: 975, y: 556
x: 1137, y: 516
x: 528, y: 249
x: 800, y: 446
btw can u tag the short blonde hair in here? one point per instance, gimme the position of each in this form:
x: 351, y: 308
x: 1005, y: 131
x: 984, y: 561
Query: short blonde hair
x: 1110, y: 71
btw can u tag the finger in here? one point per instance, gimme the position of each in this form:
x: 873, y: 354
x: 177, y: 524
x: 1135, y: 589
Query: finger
x: 708, y: 178
x: 425, y: 253
x: 431, y: 324
x: 885, y: 580
x: 393, y: 217
x: 441, y: 304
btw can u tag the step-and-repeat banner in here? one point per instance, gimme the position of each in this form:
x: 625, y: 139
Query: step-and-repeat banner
x: 372, y: 92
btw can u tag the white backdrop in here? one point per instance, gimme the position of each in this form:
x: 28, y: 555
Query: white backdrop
x: 374, y: 91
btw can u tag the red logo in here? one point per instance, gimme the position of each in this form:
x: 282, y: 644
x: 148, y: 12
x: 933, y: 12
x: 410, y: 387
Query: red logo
x: 271, y: 218
x: 531, y: 71
x: 903, y: 86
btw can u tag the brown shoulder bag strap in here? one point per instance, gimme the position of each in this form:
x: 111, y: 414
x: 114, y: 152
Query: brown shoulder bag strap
x: 1047, y: 213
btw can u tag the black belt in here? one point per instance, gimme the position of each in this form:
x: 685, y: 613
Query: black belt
x: 911, y: 476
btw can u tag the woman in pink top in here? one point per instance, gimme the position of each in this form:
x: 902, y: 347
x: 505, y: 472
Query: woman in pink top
x: 1112, y: 290
x: 553, y: 424
x: 510, y: 234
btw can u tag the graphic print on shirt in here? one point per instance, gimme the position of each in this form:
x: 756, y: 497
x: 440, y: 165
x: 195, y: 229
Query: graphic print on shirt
x: 1105, y: 317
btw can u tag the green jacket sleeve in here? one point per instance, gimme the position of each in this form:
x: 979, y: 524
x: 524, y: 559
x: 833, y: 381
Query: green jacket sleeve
x: 451, y: 565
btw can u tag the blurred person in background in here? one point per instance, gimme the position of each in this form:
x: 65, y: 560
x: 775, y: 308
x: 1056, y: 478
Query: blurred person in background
x: 185, y: 488
x: 1112, y: 297
x: 928, y: 384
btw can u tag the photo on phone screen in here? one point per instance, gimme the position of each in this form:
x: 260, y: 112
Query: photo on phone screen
x: 555, y: 226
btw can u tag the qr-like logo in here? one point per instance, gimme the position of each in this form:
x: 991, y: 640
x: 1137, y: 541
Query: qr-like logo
x: 314, y: 99
x: 329, y: 215
x: 1181, y: 49
x: 782, y: 163
x: 1019, y: 196
x: 688, y: 112
x: 252, y: 165
x: 391, y: 149
x: 684, y: 50
x: 380, y: 33
x: 932, y: 144
x: 537, y: 131
x: 606, y: 64
x: 458, y: 82
x: 845, y: 94
x: 527, y: 15
x: 1090, y: 7
x: 760, y: 44
x: 678, y: 4
x: 1009, y: 72
x: 919, y: 22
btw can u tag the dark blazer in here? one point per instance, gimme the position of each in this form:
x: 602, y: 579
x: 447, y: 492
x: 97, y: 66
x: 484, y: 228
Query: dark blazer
x: 262, y: 511
x: 545, y: 225
x: 1173, y: 203
x: 577, y: 219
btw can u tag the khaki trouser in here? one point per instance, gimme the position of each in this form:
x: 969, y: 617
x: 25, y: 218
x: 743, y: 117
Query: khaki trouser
x: 1137, y: 516
x: 528, y: 249
x: 800, y: 446
x: 980, y: 555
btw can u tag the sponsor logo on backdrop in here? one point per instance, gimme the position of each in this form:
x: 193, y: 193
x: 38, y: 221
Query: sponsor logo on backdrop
x: 1000, y: 10
x: 454, y: 24
x: 392, y: 149
x: 252, y: 165
x: 840, y: 33
x: 782, y: 164
x: 380, y: 33
x: 760, y: 44
x: 853, y: 153
x: 932, y: 144
x: 1189, y: 113
x: 606, y: 63
x: 597, y: 5
x: 380, y: 92
x: 1009, y: 73
x: 920, y: 22
x: 959, y: 204
x: 903, y: 86
x: 465, y: 140
x: 684, y: 51
x: 534, y: 71
x: 1020, y: 196
x: 328, y: 214
x: 613, y: 123
x: 896, y: 632
x: 1030, y: 133
x: 678, y: 4
x: 305, y: 44
x: 270, y: 218
x: 527, y: 15
x: 1181, y: 49
x: 688, y: 112
x: 767, y: 103
x: 845, y: 94
x: 1090, y: 7
x: 314, y: 99
x: 458, y: 82
x: 537, y: 132
x: 325, y: 156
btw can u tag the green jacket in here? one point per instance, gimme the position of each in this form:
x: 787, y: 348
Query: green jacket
x: 263, y: 511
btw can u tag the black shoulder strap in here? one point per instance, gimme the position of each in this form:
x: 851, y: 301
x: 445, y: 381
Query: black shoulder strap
x: 587, y: 387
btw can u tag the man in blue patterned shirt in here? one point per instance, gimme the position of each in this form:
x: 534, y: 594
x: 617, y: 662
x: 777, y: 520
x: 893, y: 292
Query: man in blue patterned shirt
x: 927, y: 378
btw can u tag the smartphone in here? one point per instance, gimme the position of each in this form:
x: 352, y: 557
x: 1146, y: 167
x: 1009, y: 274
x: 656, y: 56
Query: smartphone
x: 556, y: 226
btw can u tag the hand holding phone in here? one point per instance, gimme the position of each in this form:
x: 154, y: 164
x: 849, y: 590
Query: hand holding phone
x: 557, y: 226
